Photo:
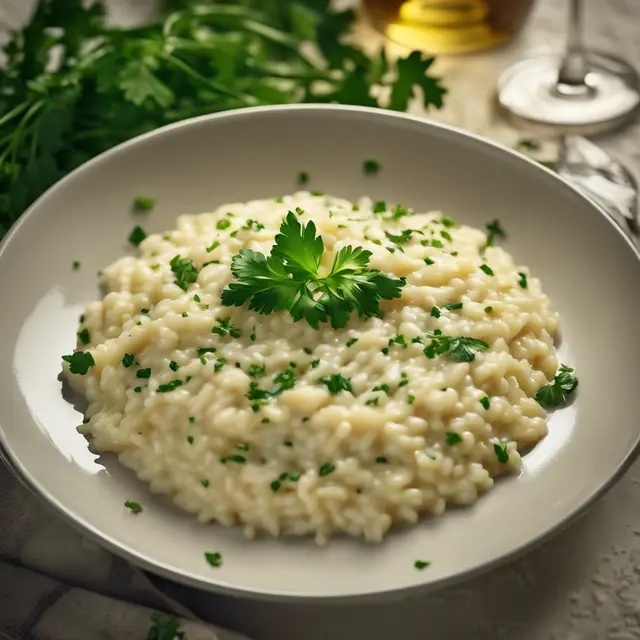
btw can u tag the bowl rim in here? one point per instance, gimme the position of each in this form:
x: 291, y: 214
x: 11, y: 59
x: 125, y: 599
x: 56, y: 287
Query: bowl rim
x: 144, y: 562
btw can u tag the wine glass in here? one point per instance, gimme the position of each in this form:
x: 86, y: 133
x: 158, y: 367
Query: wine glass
x: 582, y: 90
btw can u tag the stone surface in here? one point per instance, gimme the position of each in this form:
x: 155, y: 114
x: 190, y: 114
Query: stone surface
x: 584, y: 584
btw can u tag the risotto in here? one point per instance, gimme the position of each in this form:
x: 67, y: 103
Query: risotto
x: 266, y: 421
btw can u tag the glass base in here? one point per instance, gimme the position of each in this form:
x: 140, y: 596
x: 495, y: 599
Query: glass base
x: 529, y: 90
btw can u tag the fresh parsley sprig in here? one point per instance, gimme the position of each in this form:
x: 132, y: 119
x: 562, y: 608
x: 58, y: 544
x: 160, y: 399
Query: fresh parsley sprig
x: 290, y: 279
x: 558, y: 392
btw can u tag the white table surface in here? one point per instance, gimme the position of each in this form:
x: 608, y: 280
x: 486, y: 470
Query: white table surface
x: 584, y: 584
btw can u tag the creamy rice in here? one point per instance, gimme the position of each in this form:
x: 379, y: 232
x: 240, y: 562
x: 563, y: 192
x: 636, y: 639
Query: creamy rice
x: 355, y: 463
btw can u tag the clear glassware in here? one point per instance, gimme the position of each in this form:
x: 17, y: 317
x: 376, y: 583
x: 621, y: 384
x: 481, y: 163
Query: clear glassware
x: 582, y: 90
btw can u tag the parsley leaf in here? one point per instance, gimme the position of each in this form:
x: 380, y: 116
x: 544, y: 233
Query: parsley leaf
x: 184, y: 271
x: 79, y: 362
x: 163, y: 628
x: 214, y: 558
x: 412, y: 71
x: 452, y: 438
x: 371, y: 167
x: 500, y: 449
x: 336, y: 383
x: 224, y: 328
x: 290, y: 279
x: 460, y: 348
x: 134, y: 507
x: 556, y: 393
x: 494, y: 230
x: 144, y: 203
x: 137, y: 235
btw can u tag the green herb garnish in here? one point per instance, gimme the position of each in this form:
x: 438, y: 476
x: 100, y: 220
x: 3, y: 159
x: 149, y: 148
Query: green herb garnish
x: 134, y: 507
x: 522, y: 279
x: 421, y: 564
x: 485, y: 402
x: 255, y: 371
x: 486, y: 269
x: 205, y: 483
x: 184, y: 271
x: 351, y: 341
x: 452, y: 438
x: 527, y: 144
x: 500, y: 449
x: 370, y: 167
x: 174, y: 366
x: 83, y: 336
x: 460, y: 348
x: 144, y: 203
x: 79, y: 362
x: 213, y: 246
x: 75, y: 265
x: 137, y: 235
x: 143, y: 373
x: 453, y: 306
x: 326, y: 469
x: 336, y: 383
x: 435, y: 312
x: 494, y: 230
x: 170, y: 386
x: 428, y: 261
x: 557, y: 393
x: 381, y: 460
x: 224, y: 328
x: 128, y: 359
x: 215, y: 560
x: 289, y: 279
x: 488, y: 309
x: 303, y: 177
x: 223, y: 224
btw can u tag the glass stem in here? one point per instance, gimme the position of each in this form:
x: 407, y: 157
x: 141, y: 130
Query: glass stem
x: 573, y: 70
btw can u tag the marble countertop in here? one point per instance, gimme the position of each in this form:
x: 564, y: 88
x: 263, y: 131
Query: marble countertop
x: 584, y: 584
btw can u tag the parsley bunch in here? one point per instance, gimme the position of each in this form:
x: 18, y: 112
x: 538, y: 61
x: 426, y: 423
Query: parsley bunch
x: 111, y: 84
x: 290, y: 279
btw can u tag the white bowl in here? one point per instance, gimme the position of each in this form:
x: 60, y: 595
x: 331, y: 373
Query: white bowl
x: 587, y: 267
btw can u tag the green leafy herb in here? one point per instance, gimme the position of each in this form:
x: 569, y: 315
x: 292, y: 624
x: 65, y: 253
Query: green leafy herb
x: 315, y: 364
x: 370, y: 167
x: 500, y: 449
x: 446, y: 235
x: 75, y: 265
x: 275, y: 486
x: 190, y: 439
x: 174, y: 366
x: 557, y: 393
x: 255, y: 371
x: 421, y: 564
x: 526, y: 144
x: 83, y: 336
x: 428, y: 261
x: 382, y: 387
x: 336, y: 383
x: 137, y: 235
x: 447, y: 222
x: 137, y: 389
x: 351, y: 341
x: 164, y: 628
x: 79, y: 362
x: 170, y: 386
x: 290, y: 279
x: 235, y: 458
x: 144, y: 203
x: 380, y: 206
x: 486, y: 269
x: 224, y: 328
x: 401, y: 238
x: 288, y: 443
x: 134, y: 507
x: 398, y: 339
x: 143, y: 373
x: 460, y: 348
x: 205, y: 483
x: 213, y: 558
x: 488, y: 309
x: 452, y: 438
x: 411, y: 399
x: 372, y: 401
x: 214, y: 245
x: 326, y: 469
x: 201, y: 58
x: 485, y: 402
x: 223, y: 224
x: 522, y: 279
x: 303, y: 177
x: 283, y: 381
x: 453, y: 306
x: 242, y: 447
x: 435, y: 312
x: 128, y: 359
x: 494, y: 230
x: 184, y: 271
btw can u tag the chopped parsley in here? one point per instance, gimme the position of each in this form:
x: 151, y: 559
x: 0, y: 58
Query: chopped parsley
x: 527, y: 144
x: 214, y: 559
x: 380, y: 206
x: 522, y: 279
x: 164, y: 628
x: 134, y: 507
x: 452, y: 438
x: 351, y: 341
x: 317, y: 194
x: 398, y: 339
x: 447, y: 222
x: 303, y: 177
x: 289, y: 279
x: 144, y: 203
x: 308, y: 350
x: 403, y: 237
x: 143, y: 373
x: 453, y: 306
x: 137, y: 389
x: 255, y: 371
x: 288, y: 443
x: 253, y: 225
x: 235, y: 458
x: 214, y: 246
x: 219, y: 363
x: 315, y: 364
x: 437, y: 244
x: 275, y: 486
x: 83, y: 336
x: 382, y: 387
x: 128, y: 359
x: 336, y: 383
x: 372, y: 401
x: 79, y: 362
x: 460, y: 348
x: 223, y: 224
x: 488, y: 309
x: 225, y: 328
x: 184, y: 271
x: 411, y: 399
x: 137, y: 235
x: 500, y: 449
x: 170, y: 386
x: 75, y: 265
x: 428, y: 261
x: 446, y: 235
x: 557, y: 393
x: 435, y: 312
x: 190, y: 439
x: 326, y: 469
x: 192, y: 419
x: 283, y: 381
x: 485, y: 402
x: 381, y: 460
x: 185, y: 314
x: 205, y: 483
x: 242, y: 447
x: 486, y: 269
x: 202, y: 350
x: 494, y: 230
x: 421, y: 564
x: 174, y: 366
x: 370, y: 167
